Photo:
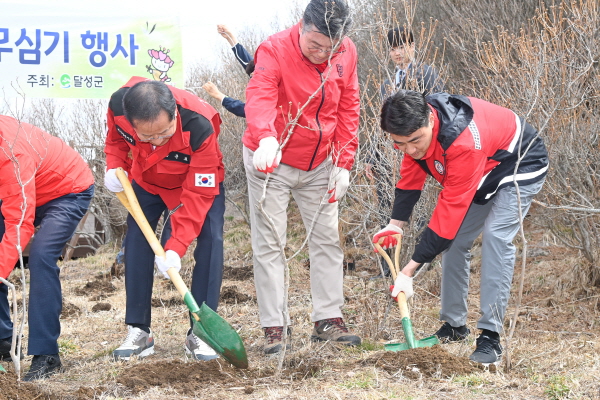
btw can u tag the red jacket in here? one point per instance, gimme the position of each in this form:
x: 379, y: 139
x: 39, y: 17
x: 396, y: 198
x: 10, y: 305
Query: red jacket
x: 473, y: 154
x: 174, y: 171
x: 48, y: 168
x: 282, y: 83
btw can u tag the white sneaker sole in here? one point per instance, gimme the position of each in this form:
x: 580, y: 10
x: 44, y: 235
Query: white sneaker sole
x: 145, y: 353
x: 200, y: 357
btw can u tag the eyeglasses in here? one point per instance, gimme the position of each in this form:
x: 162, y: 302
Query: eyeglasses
x: 320, y: 50
x: 144, y: 138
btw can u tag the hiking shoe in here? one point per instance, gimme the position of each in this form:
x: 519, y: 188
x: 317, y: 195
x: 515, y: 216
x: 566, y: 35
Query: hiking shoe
x: 5, y: 350
x: 137, y: 343
x: 448, y: 333
x: 488, y: 350
x: 274, y: 339
x: 43, y: 366
x: 335, y: 330
x: 198, y: 349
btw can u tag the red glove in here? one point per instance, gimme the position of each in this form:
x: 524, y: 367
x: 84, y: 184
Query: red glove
x: 393, y: 297
x: 385, y: 237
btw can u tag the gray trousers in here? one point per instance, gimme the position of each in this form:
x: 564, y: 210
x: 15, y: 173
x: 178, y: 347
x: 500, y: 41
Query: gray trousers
x: 498, y: 219
x: 326, y: 256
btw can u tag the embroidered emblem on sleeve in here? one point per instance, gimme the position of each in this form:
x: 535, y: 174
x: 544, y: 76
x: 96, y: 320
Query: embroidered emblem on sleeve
x: 439, y: 167
x: 205, y: 180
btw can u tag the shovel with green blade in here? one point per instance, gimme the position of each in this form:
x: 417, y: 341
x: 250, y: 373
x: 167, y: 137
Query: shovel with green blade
x: 208, y: 325
x: 411, y: 342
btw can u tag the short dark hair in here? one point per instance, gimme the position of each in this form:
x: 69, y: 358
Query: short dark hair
x: 145, y: 100
x: 404, y: 112
x: 250, y: 67
x: 329, y: 17
x: 400, y: 36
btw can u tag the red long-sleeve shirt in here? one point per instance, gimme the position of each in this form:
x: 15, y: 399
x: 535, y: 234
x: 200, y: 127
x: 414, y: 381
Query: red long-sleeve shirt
x: 187, y: 170
x: 283, y: 82
x: 35, y: 168
x: 473, y: 153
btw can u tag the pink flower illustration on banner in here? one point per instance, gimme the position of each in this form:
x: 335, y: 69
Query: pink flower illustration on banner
x: 161, y: 63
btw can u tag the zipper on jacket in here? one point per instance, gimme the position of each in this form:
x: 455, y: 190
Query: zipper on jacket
x: 317, y: 120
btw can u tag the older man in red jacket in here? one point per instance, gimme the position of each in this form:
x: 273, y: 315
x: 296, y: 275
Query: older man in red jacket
x: 166, y: 140
x: 307, y: 72
x: 46, y: 184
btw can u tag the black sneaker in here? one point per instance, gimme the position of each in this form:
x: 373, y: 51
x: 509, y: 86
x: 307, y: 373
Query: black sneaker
x: 5, y: 350
x: 488, y: 350
x: 274, y: 339
x: 335, y: 330
x: 43, y: 366
x: 448, y: 333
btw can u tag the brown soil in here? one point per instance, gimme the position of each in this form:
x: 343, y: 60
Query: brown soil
x: 10, y: 389
x: 100, y: 285
x: 98, y: 297
x: 426, y: 361
x: 173, y: 301
x: 231, y: 295
x: 239, y: 273
x: 101, y: 307
x: 117, y: 270
x: 184, y: 378
x: 70, y: 310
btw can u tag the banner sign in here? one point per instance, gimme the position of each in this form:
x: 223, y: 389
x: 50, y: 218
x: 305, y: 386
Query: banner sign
x: 83, y: 57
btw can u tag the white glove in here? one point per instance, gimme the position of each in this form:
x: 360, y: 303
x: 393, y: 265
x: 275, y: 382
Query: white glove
x: 111, y: 181
x: 267, y: 156
x: 386, y: 235
x: 338, y: 182
x: 172, y: 260
x: 404, y: 284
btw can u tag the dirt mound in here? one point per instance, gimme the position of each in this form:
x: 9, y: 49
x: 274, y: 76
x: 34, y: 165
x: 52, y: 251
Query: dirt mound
x: 10, y: 389
x: 231, y: 295
x: 184, y: 378
x: 173, y: 301
x: 239, y: 273
x: 70, y: 310
x: 99, y: 286
x: 425, y: 361
x: 86, y: 393
x: 101, y: 307
x: 117, y: 270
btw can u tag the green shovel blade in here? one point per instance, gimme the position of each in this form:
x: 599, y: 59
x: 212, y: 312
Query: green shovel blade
x: 427, y: 342
x: 221, y: 336
x: 2, y: 369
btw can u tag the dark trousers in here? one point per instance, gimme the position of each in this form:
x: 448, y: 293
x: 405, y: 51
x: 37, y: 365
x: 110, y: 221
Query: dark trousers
x: 57, y: 221
x: 139, y: 257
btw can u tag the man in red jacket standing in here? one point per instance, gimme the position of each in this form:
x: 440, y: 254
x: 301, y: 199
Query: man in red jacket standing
x: 166, y: 140
x: 46, y: 184
x: 306, y: 72
x: 472, y: 148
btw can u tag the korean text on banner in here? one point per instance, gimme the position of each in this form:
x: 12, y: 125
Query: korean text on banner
x: 79, y: 57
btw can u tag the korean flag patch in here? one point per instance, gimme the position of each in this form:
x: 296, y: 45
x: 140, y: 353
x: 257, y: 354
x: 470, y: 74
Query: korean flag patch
x: 205, y: 180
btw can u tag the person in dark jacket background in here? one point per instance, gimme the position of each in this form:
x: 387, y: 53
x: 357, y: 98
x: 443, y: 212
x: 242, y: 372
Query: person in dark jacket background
x: 234, y: 106
x: 471, y: 147
x: 408, y: 74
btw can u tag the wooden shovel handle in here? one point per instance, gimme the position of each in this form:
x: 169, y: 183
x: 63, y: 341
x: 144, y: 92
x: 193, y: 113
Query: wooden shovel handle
x: 129, y: 200
x: 395, y: 270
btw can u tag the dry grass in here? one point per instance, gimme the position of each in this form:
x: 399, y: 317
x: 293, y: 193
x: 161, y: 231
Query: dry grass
x: 555, y: 353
